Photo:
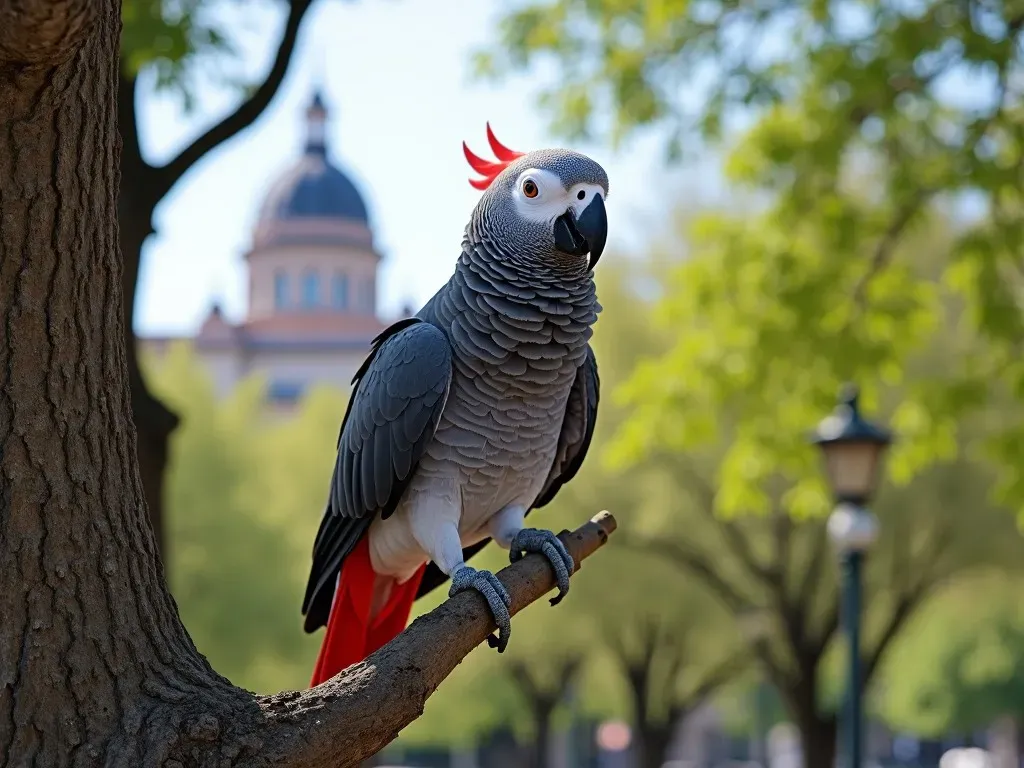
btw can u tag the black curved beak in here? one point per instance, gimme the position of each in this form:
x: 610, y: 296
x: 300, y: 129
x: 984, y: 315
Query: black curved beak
x: 586, y: 234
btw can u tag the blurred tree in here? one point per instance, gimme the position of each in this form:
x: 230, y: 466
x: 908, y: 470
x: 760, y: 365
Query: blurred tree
x: 242, y: 493
x: 543, y: 685
x: 772, y: 563
x: 961, y: 665
x: 854, y: 122
x: 655, y: 656
x: 884, y: 75
x: 712, y: 420
x: 177, y: 41
x: 296, y: 458
x: 778, y: 569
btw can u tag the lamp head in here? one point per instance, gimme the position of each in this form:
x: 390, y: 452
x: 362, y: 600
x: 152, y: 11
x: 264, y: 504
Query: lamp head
x: 852, y: 448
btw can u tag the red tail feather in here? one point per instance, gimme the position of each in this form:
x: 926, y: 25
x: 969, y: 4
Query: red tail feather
x: 352, y: 633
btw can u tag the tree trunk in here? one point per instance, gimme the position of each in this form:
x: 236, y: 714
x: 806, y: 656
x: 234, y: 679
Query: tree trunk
x: 654, y: 741
x: 543, y: 690
x: 818, y: 732
x: 818, y: 740
x: 543, y: 711
x: 652, y: 738
x: 154, y: 422
x: 94, y: 661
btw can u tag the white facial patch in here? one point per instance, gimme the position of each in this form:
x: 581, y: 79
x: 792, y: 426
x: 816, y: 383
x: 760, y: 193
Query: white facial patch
x: 580, y: 196
x: 551, y: 199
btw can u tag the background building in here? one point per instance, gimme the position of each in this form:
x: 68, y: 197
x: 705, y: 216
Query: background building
x: 312, y: 272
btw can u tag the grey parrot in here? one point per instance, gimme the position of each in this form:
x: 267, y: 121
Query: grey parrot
x: 470, y: 414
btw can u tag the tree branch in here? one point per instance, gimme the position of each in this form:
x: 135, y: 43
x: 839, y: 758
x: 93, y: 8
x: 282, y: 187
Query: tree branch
x: 246, y: 113
x: 567, y: 672
x: 135, y: 171
x: 677, y: 661
x: 734, y: 538
x: 905, y: 607
x: 694, y: 563
x: 899, y: 557
x: 782, y: 545
x: 41, y: 32
x: 781, y: 673
x: 553, y: 687
x: 829, y: 625
x: 678, y: 705
x: 356, y: 713
x: 810, y: 581
x: 887, y: 244
x: 636, y: 663
x: 812, y: 588
x: 519, y: 674
x: 718, y: 676
x: 910, y: 599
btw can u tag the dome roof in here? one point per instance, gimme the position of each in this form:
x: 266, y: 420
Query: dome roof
x: 314, y: 188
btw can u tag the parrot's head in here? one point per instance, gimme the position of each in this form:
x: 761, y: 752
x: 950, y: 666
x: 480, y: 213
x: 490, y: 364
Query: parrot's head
x: 546, y: 205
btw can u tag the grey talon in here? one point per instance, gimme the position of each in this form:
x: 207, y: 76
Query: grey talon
x: 549, y: 545
x: 497, y: 597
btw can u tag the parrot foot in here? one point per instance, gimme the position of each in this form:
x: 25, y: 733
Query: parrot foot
x: 549, y: 545
x: 497, y: 597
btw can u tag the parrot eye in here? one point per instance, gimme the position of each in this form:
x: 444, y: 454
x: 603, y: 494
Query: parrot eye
x: 580, y: 195
x: 530, y: 189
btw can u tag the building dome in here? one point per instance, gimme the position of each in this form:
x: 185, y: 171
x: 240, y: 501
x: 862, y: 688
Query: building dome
x: 314, y: 200
x: 315, y: 189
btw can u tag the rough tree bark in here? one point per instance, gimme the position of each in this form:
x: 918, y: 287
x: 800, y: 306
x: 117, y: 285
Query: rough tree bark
x: 95, y: 665
x: 543, y: 692
x: 143, y: 186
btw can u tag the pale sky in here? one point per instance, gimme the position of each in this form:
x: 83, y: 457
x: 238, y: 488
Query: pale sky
x: 396, y: 76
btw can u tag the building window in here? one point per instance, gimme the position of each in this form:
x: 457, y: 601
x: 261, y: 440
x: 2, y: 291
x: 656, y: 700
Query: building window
x: 339, y: 291
x: 310, y: 290
x: 370, y: 297
x: 284, y: 392
x: 280, y: 290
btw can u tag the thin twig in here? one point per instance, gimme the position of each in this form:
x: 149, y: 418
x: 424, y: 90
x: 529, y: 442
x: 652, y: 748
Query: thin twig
x: 246, y: 113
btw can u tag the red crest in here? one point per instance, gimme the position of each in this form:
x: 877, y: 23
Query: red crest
x: 486, y: 168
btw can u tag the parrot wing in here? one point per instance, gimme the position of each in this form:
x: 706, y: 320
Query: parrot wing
x: 399, y: 393
x: 577, y: 429
x: 573, y: 443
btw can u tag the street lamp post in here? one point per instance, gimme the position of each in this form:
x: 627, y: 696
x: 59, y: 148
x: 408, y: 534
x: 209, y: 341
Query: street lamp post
x: 852, y: 448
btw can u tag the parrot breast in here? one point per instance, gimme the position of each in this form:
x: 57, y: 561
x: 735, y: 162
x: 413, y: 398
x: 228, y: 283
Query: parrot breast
x: 517, y: 344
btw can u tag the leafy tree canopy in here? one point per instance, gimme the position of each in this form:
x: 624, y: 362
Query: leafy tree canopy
x: 173, y: 37
x: 961, y: 664
x: 857, y: 124
x: 245, y: 494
